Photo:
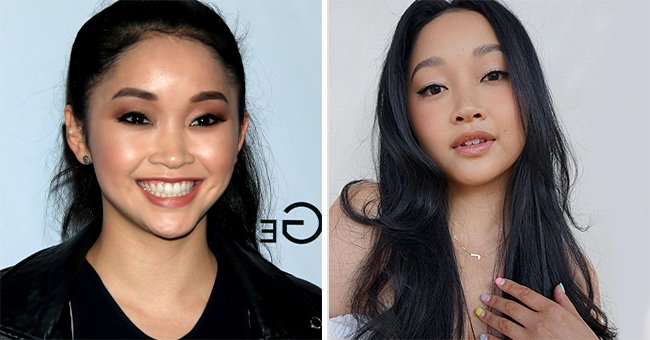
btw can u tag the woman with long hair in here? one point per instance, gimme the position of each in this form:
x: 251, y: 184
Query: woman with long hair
x: 161, y: 193
x: 467, y: 231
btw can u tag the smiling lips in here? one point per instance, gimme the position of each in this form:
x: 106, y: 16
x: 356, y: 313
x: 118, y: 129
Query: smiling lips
x: 473, y: 144
x: 169, y: 193
x: 167, y: 189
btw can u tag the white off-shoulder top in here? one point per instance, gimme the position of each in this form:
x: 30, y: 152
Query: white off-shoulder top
x: 343, y: 327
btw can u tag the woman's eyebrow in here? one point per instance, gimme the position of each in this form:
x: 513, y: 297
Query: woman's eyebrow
x: 209, y: 95
x: 428, y: 62
x: 434, y: 61
x: 485, y: 49
x: 133, y: 92
x: 142, y: 94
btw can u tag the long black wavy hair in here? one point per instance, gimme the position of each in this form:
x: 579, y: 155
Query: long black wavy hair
x: 413, y: 255
x: 99, y: 43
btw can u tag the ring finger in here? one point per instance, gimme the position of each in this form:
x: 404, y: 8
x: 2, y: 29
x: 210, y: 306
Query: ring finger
x: 515, y: 310
x: 502, y: 325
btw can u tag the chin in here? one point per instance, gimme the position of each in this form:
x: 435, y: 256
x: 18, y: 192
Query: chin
x: 172, y: 231
x: 472, y: 180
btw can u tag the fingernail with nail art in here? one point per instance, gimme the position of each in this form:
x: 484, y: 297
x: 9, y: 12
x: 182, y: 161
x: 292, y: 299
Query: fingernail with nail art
x: 479, y: 312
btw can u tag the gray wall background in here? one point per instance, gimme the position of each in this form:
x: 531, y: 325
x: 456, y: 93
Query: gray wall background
x: 282, y: 55
x: 596, y: 56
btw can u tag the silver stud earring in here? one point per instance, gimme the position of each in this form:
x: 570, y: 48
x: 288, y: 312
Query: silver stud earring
x: 87, y: 160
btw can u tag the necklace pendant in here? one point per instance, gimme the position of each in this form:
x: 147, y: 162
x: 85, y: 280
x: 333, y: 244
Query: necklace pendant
x: 478, y: 257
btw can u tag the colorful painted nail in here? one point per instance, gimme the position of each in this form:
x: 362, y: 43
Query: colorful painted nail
x: 499, y: 281
x: 479, y: 312
x: 485, y: 297
x: 483, y: 337
x: 562, y: 287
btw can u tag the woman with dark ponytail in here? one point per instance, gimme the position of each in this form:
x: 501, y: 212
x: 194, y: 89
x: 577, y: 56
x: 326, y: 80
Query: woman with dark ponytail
x: 467, y: 231
x: 161, y: 194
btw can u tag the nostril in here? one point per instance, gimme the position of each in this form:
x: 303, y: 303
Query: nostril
x: 477, y: 115
x: 459, y: 119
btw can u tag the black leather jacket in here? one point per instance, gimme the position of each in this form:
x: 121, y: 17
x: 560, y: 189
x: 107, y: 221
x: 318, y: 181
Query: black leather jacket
x: 35, y: 293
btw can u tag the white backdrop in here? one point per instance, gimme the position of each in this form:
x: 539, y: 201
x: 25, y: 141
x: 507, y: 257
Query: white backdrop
x: 596, y: 55
x: 282, y: 57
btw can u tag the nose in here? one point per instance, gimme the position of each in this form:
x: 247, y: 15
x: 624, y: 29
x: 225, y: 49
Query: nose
x: 468, y: 116
x: 171, y: 149
x: 468, y: 108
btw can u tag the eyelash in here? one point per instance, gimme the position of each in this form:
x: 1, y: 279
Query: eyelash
x: 134, y: 118
x: 434, y: 89
x: 212, y: 119
x: 139, y: 118
x: 431, y: 90
x: 501, y: 74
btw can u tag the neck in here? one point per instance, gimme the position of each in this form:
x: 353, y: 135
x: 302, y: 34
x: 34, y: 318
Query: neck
x: 477, y: 210
x: 129, y: 256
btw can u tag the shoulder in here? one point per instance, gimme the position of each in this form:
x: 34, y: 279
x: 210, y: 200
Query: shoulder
x: 350, y: 242
x: 281, y: 305
x: 361, y: 196
x: 35, y: 291
x: 250, y: 265
x: 60, y: 259
x: 582, y: 283
x: 363, y: 199
x: 34, y: 269
x: 291, y: 287
x: 284, y: 306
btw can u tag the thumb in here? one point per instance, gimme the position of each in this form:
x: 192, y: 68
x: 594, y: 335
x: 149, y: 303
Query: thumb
x: 562, y: 299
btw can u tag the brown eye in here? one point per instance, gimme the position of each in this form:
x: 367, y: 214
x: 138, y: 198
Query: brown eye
x: 134, y: 117
x: 495, y: 75
x: 431, y: 90
x: 206, y: 120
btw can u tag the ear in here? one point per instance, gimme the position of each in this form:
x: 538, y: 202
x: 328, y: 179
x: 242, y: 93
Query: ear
x: 74, y: 135
x: 243, y: 127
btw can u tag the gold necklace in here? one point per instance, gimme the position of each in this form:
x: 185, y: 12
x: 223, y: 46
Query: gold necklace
x: 478, y: 258
x: 476, y: 255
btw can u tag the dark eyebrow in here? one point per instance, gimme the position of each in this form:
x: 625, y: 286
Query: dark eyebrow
x: 209, y: 95
x: 132, y: 92
x: 435, y: 61
x: 428, y: 62
x: 485, y: 49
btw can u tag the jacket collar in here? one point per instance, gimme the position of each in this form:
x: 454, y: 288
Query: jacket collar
x: 37, y: 289
x: 282, y: 305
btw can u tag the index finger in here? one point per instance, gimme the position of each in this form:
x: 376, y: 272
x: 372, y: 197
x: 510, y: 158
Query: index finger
x: 527, y: 296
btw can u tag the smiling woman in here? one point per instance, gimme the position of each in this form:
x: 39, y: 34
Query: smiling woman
x: 161, y: 120
x: 161, y: 194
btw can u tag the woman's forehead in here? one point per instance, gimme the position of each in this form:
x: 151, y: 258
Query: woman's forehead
x: 454, y: 34
x: 167, y: 65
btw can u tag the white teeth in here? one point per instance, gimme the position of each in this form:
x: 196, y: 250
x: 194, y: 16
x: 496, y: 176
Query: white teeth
x: 474, y: 141
x: 167, y: 189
